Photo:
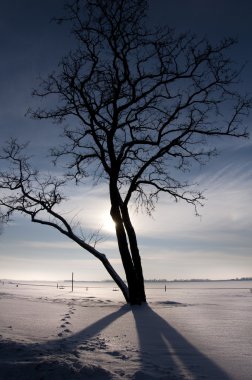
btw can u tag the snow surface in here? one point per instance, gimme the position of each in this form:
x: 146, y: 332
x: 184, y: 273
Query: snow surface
x: 193, y: 331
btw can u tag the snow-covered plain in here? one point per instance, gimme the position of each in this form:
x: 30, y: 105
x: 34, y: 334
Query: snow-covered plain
x: 190, y: 331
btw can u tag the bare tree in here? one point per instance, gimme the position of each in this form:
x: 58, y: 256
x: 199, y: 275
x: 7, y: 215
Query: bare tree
x: 144, y: 105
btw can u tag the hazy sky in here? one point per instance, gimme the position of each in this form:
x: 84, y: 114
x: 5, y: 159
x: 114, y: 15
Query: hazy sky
x: 174, y: 243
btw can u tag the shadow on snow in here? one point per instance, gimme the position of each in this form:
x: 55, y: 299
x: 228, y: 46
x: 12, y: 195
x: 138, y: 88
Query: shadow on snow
x: 163, y: 354
x: 164, y: 351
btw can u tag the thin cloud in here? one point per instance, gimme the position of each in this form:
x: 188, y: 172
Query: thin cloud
x: 48, y: 245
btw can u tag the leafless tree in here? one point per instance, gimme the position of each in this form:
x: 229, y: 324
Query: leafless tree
x: 142, y: 105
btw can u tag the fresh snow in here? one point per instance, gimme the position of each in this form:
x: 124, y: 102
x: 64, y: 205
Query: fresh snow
x: 193, y: 331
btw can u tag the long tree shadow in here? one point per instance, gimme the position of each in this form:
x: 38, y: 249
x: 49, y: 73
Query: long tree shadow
x: 42, y: 361
x: 166, y: 354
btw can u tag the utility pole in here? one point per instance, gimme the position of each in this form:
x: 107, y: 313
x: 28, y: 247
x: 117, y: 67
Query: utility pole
x: 72, y: 281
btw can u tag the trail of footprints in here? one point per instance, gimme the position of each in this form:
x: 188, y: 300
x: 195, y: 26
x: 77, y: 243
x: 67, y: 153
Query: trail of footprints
x: 65, y: 322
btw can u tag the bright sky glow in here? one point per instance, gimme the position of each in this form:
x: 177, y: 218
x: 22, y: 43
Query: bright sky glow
x: 107, y: 223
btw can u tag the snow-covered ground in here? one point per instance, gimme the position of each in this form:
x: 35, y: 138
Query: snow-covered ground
x: 192, y: 331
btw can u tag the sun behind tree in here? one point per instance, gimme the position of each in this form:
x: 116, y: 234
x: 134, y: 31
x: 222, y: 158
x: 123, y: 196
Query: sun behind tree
x: 108, y: 225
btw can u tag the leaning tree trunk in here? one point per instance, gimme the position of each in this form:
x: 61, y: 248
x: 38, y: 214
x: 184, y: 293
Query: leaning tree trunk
x: 134, y: 280
x: 134, y: 251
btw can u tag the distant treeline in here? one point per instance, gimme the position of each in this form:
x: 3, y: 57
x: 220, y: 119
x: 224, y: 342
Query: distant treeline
x: 204, y: 280
x: 176, y: 280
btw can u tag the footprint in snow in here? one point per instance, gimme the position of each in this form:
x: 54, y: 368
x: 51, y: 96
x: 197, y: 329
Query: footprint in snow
x: 67, y: 330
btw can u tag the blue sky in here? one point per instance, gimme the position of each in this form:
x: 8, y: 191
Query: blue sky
x: 173, y: 243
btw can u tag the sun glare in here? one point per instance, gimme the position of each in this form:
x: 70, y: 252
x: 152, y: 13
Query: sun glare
x: 107, y: 223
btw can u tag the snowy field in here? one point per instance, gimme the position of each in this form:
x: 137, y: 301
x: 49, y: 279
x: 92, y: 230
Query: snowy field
x: 196, y: 331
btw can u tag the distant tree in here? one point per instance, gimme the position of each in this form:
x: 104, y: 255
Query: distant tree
x: 143, y: 105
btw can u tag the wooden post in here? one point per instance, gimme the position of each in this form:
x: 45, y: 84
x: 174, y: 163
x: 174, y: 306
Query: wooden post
x: 72, y: 281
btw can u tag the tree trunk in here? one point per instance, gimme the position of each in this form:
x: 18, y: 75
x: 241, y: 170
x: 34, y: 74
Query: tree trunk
x: 131, y: 260
x: 134, y: 251
x: 125, y: 255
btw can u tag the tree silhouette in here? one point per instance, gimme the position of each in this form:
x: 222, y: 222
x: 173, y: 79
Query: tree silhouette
x: 142, y: 105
